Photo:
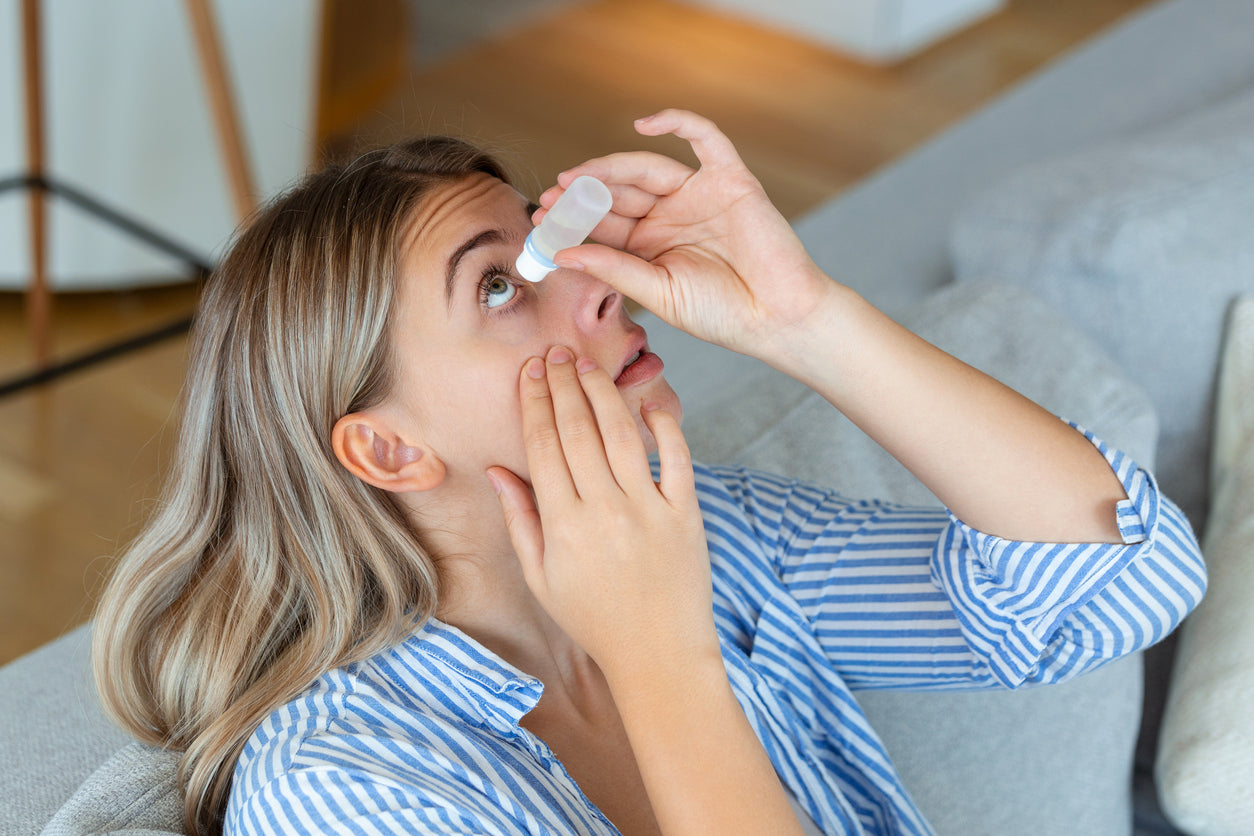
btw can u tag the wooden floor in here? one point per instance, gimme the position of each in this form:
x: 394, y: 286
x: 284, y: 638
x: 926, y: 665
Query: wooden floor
x: 80, y: 458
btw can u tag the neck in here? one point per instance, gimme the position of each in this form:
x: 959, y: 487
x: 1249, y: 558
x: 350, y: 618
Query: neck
x: 482, y: 589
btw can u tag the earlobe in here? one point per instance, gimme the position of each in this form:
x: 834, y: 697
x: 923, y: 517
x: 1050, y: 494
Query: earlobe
x: 370, y: 450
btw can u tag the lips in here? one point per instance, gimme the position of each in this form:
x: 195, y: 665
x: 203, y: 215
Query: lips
x: 628, y: 363
x: 637, y: 346
x: 642, y: 366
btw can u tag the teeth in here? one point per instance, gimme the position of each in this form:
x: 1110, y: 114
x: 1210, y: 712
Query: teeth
x: 633, y: 358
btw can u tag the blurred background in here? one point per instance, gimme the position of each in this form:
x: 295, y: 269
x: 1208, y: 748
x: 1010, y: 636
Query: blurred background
x: 816, y: 96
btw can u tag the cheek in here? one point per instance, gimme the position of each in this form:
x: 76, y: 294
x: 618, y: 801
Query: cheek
x: 465, y: 403
x: 496, y: 423
x: 493, y: 391
x: 524, y: 330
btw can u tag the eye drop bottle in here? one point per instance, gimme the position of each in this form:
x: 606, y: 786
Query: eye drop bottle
x: 580, y: 208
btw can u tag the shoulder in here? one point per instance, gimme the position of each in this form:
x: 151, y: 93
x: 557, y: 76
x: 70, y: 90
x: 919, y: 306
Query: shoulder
x: 367, y: 714
x: 740, y: 503
x: 741, y: 493
x: 281, y: 744
x: 424, y: 735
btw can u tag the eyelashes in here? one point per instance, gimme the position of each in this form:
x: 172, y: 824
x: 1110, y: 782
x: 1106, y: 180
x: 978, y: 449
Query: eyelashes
x: 497, y: 280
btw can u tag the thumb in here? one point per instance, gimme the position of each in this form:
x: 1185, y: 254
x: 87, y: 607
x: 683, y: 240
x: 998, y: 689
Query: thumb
x: 632, y: 276
x: 522, y: 521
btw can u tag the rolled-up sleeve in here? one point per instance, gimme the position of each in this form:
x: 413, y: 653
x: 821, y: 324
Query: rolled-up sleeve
x: 903, y: 597
x: 1042, y: 612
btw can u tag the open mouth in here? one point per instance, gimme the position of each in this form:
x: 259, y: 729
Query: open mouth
x: 642, y: 366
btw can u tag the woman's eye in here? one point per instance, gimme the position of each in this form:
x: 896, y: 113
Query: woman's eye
x: 497, y: 291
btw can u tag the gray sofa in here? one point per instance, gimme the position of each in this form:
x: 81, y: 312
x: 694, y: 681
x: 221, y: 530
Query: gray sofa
x: 970, y: 240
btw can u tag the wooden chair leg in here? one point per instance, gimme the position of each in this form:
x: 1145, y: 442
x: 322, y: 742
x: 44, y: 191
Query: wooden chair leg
x: 38, y: 297
x: 221, y: 102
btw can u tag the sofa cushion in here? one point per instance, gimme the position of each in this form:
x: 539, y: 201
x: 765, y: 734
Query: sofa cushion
x: 135, y: 791
x: 981, y: 762
x: 747, y: 413
x: 1206, y: 750
x: 52, y: 729
x: 1143, y: 243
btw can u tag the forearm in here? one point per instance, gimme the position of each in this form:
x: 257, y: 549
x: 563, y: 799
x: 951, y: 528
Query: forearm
x: 703, y: 767
x: 997, y: 460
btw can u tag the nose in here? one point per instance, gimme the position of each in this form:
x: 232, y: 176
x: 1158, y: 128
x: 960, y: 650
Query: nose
x: 593, y: 303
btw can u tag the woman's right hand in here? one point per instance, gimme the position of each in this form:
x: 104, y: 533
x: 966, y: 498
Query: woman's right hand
x: 703, y: 249
x: 619, y: 561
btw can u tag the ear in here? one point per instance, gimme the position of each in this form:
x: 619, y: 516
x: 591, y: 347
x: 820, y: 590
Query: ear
x: 370, y: 450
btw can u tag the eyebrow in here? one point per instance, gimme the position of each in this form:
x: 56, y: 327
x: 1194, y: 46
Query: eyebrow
x: 488, y: 236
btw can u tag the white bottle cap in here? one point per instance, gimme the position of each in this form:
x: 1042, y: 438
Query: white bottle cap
x: 531, y: 263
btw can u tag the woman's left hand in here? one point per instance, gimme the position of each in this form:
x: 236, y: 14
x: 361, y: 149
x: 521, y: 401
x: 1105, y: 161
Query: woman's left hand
x: 618, y: 561
x: 703, y: 249
x: 621, y: 564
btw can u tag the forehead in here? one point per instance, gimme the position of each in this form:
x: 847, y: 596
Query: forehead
x: 440, y: 227
x: 457, y: 210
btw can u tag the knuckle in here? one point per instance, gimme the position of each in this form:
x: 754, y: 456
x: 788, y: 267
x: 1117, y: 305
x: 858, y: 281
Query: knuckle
x: 621, y: 433
x: 679, y: 459
x: 543, y: 439
x: 536, y: 392
x: 576, y: 431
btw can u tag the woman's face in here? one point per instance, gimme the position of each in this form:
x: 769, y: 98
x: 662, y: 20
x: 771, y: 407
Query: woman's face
x: 466, y: 323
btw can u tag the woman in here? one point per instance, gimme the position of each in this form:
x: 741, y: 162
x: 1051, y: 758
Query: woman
x: 413, y: 570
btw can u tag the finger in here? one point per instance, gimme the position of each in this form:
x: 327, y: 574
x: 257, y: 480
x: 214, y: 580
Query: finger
x: 614, y: 230
x: 643, y: 281
x: 633, y: 201
x: 576, y: 425
x: 653, y: 173
x: 624, y: 449
x: 550, y: 477
x: 523, y: 523
x: 711, y: 145
x: 678, y: 484
x: 628, y: 200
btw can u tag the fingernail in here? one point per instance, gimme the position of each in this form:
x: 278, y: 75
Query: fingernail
x: 569, y: 263
x: 650, y: 406
x: 643, y: 119
x: 559, y: 355
x: 585, y: 365
x: 496, y: 486
x: 535, y: 368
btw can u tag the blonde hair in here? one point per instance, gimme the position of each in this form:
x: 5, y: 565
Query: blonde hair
x: 265, y: 563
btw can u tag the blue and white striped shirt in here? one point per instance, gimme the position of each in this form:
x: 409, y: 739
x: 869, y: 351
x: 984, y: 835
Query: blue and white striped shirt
x: 814, y: 595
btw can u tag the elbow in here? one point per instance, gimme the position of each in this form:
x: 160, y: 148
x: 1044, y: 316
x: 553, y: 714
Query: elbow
x: 1165, y: 578
x: 1175, y: 570
x: 1140, y: 606
x: 1155, y: 592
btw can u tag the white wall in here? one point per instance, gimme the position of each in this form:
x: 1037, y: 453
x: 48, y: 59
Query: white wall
x: 127, y: 121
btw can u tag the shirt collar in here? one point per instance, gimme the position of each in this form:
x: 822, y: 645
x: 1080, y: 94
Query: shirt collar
x: 499, y: 687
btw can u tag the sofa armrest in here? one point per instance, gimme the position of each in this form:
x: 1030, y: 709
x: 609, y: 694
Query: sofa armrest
x: 53, y: 733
